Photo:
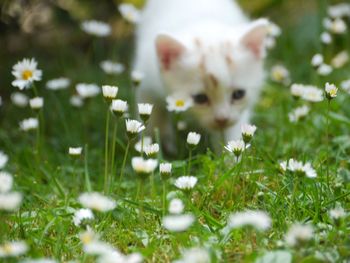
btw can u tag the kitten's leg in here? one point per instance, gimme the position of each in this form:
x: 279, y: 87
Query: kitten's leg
x: 234, y: 132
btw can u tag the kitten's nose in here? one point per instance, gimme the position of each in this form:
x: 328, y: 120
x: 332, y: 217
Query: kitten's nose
x: 222, y: 121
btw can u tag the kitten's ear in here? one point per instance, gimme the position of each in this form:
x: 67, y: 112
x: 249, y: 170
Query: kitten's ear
x: 254, y: 38
x: 169, y: 50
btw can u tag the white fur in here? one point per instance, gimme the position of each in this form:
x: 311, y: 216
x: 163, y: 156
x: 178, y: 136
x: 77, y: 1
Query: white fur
x: 222, y: 31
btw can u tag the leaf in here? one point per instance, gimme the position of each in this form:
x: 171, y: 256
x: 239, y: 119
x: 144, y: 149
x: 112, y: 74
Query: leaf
x: 275, y: 257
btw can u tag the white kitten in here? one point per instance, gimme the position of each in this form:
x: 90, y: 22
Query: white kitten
x: 206, y: 50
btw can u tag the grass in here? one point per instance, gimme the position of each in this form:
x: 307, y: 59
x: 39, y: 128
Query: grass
x: 51, y: 180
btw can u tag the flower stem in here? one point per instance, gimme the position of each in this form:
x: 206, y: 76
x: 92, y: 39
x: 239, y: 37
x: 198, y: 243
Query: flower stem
x: 189, y: 162
x: 124, y: 160
x: 327, y: 143
x: 164, y: 198
x: 115, y: 130
x: 106, y: 151
x: 87, y: 176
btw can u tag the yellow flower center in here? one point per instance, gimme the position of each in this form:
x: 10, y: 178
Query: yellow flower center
x: 333, y: 92
x: 86, y: 238
x: 7, y: 248
x: 27, y: 74
x: 180, y: 103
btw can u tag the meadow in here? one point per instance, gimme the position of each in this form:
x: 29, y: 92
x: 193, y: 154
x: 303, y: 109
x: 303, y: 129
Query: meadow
x: 77, y: 184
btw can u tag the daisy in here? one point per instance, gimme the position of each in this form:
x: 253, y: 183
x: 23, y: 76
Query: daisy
x: 247, y: 131
x: 336, y: 26
x: 257, y: 219
x: 193, y: 138
x: 119, y: 107
x: 6, y: 181
x: 111, y: 67
x: 280, y: 74
x: 142, y: 166
x: 312, y: 94
x: 82, y: 215
x: 29, y: 124
x: 195, y: 255
x: 186, y: 182
x: 117, y: 257
x: 76, y: 101
x: 10, y: 201
x: 130, y: 13
x: 317, y: 60
x: 339, y: 10
x: 19, y: 99
x: 109, y: 92
x: 133, y: 126
x: 331, y: 91
x: 96, y: 28
x: 26, y: 73
x: 324, y: 69
x: 337, y: 213
x: 299, y: 168
x: 176, y: 206
x: 326, y: 38
x: 58, y: 84
x: 75, y: 151
x: 178, y: 223
x: 299, y: 234
x: 3, y: 159
x: 340, y: 59
x: 298, y: 113
x: 137, y: 77
x: 85, y: 90
x: 345, y: 85
x: 13, y: 249
x: 145, y: 110
x: 297, y: 90
x: 97, y: 201
x: 165, y: 168
x: 146, y: 141
x: 235, y: 147
x: 177, y: 103
x: 36, y: 103
x: 152, y: 149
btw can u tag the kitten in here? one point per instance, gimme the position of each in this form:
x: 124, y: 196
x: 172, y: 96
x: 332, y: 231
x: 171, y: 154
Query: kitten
x: 206, y: 50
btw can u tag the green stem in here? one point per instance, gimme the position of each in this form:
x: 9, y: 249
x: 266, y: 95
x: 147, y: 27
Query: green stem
x: 106, y: 152
x: 164, y: 197
x: 113, y: 152
x: 294, y: 199
x: 124, y: 160
x: 327, y: 144
x: 87, y: 176
x: 189, y: 162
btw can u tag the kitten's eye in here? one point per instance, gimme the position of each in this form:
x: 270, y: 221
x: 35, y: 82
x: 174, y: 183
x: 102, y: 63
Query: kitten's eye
x: 200, y: 98
x: 238, y: 94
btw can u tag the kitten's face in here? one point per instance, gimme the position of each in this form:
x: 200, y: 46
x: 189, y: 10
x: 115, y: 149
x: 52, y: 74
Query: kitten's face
x: 222, y: 78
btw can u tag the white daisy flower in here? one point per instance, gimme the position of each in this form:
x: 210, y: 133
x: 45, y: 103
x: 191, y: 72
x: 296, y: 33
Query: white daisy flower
x: 257, y: 219
x: 36, y: 103
x: 345, y: 85
x: 10, y: 201
x: 331, y: 91
x: 19, y: 99
x: 312, y: 94
x: 137, y: 77
x: 88, y: 236
x: 3, y: 159
x: 97, y: 201
x: 146, y: 142
x: 134, y: 126
x: 297, y: 90
x: 119, y: 107
x: 85, y: 90
x: 130, y: 13
x: 165, y: 168
x: 6, y: 182
x: 76, y: 101
x: 152, y: 149
x: 195, y: 255
x: 299, y: 234
x: 58, y: 84
x: 96, y: 28
x: 326, y: 38
x: 98, y: 248
x: 176, y: 206
x: 236, y: 147
x: 145, y: 109
x: 317, y: 60
x: 143, y: 166
x: 248, y: 132
x: 29, y: 124
x: 324, y: 69
x: 26, y: 73
x: 193, y: 138
x: 337, y: 213
x: 81, y: 215
x: 280, y: 74
x: 111, y: 67
x: 298, y: 113
x: 299, y: 167
x: 178, y: 223
x: 13, y: 249
x: 340, y: 59
x: 336, y: 26
x: 186, y: 182
x: 178, y: 103
x: 109, y: 92
x: 339, y: 10
x: 75, y: 151
x: 117, y: 257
